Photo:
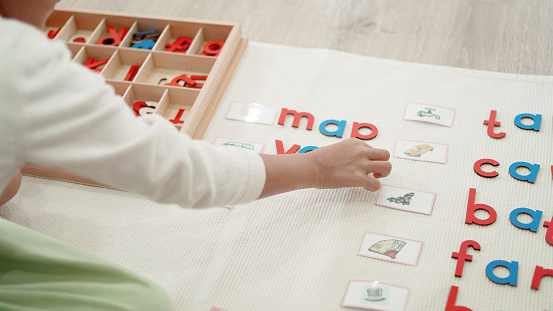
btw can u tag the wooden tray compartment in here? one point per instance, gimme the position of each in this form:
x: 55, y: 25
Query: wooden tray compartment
x: 122, y: 61
x: 174, y: 31
x: 79, y: 27
x: 102, y: 31
x: 97, y: 53
x: 207, y: 34
x: 162, y: 68
x: 195, y: 105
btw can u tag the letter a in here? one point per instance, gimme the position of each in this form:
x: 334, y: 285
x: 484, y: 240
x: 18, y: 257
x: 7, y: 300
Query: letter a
x: 535, y: 117
x: 511, y: 266
x: 531, y: 178
x: 533, y: 225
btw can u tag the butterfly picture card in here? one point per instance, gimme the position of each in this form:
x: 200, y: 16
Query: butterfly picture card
x: 429, y: 113
x: 406, y: 199
x: 373, y: 295
x: 388, y: 248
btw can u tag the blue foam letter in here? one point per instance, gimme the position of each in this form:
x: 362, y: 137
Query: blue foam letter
x: 513, y: 272
x: 307, y: 149
x: 531, y: 178
x: 537, y: 121
x: 144, y: 44
x: 533, y: 225
x: 338, y: 133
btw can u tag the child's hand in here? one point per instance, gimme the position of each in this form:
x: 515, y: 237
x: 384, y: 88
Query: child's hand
x: 349, y: 163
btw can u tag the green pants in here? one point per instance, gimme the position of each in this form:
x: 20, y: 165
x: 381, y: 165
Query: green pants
x: 40, y: 273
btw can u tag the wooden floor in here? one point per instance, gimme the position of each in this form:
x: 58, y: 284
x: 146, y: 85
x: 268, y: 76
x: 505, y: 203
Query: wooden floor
x: 514, y: 36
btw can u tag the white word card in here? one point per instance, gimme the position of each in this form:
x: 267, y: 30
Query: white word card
x: 406, y: 199
x: 252, y: 113
x: 429, y: 113
x: 375, y: 296
x: 226, y: 142
x: 421, y: 151
x: 388, y: 248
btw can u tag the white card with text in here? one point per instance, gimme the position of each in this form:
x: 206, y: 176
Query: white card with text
x: 406, y: 199
x: 253, y: 113
x: 372, y: 295
x: 421, y: 151
x: 429, y: 113
x: 389, y: 248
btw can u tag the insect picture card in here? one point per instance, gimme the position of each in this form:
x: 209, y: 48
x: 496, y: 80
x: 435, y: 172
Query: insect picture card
x: 388, y: 248
x: 406, y: 199
x: 372, y: 295
x: 226, y: 142
x: 429, y: 113
x: 252, y: 113
x: 420, y: 151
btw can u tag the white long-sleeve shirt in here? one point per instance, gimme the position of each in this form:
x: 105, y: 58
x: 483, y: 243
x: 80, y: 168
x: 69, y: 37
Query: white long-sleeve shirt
x: 57, y: 113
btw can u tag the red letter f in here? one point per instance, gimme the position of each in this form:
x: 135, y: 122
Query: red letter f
x: 462, y: 255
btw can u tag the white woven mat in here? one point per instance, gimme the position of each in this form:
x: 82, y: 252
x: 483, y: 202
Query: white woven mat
x: 297, y: 251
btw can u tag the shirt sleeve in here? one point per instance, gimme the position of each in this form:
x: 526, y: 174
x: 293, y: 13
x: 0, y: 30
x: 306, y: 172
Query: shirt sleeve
x: 72, y: 119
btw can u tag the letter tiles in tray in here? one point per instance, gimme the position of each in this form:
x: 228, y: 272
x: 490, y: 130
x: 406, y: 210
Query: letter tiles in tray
x: 176, y: 68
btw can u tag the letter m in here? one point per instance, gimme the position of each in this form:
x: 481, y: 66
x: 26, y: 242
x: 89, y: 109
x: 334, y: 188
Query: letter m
x: 297, y: 117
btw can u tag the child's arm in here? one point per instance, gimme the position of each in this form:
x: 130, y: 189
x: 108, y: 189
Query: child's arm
x: 349, y: 163
x: 11, y: 189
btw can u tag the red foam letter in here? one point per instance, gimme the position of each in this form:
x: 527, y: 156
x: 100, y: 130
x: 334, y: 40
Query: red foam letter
x: 185, y: 81
x: 491, y: 124
x: 357, y: 126
x: 451, y: 301
x: 114, y: 38
x: 539, y: 273
x: 280, y: 148
x: 472, y: 207
x: 132, y: 72
x: 177, y: 119
x: 93, y: 64
x: 462, y: 255
x: 479, y: 171
x: 549, y: 233
x: 297, y: 117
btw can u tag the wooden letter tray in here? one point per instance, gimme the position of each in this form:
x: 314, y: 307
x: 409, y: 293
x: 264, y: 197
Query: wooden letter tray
x: 188, y: 103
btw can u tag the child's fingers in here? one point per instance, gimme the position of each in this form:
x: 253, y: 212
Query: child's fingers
x: 378, y: 168
x: 376, y: 154
x: 371, y: 184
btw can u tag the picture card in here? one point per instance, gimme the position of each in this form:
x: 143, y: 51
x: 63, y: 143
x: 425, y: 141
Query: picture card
x: 429, y: 113
x: 421, y: 151
x: 227, y: 142
x: 406, y: 199
x: 388, y: 248
x: 253, y: 113
x: 372, y: 295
